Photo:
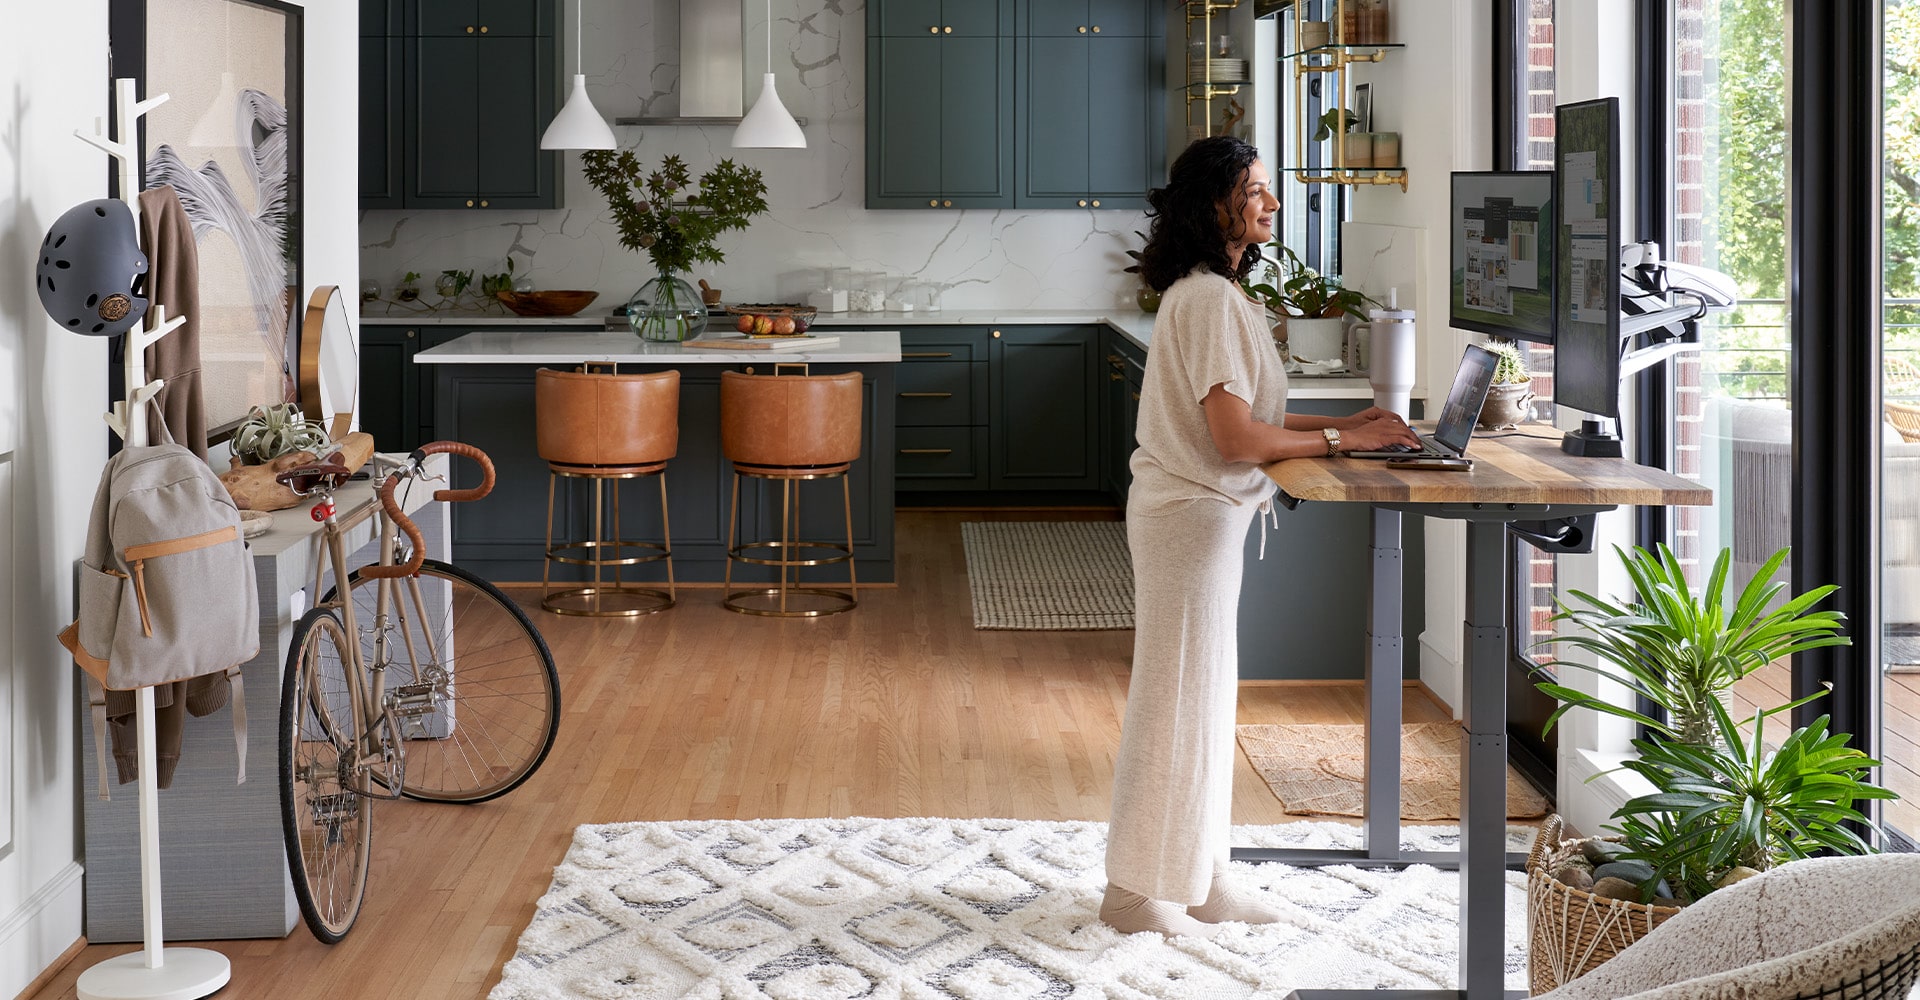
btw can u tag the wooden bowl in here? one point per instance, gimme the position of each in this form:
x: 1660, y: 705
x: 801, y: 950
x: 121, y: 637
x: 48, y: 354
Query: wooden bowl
x: 547, y: 303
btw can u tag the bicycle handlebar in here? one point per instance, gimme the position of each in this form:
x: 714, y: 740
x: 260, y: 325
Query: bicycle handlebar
x: 417, y: 542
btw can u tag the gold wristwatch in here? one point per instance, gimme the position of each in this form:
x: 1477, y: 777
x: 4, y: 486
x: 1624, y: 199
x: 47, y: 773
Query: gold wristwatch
x: 1333, y: 440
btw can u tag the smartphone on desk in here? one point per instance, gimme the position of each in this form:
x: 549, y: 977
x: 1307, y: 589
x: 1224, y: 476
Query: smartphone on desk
x: 1432, y: 462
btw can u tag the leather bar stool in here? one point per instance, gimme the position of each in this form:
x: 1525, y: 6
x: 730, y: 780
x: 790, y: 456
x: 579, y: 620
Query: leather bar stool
x: 604, y: 428
x: 788, y: 429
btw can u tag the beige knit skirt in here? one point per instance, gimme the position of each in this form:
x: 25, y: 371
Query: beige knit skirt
x: 1173, y: 779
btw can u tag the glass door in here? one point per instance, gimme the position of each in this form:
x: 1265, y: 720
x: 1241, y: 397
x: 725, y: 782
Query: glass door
x: 1900, y: 400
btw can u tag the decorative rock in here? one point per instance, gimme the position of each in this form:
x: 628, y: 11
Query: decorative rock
x: 1577, y: 876
x: 1597, y: 851
x: 1637, y: 872
x: 1738, y: 873
x: 1616, y: 888
x: 1667, y: 901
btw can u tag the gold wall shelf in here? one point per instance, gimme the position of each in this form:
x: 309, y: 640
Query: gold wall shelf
x: 1205, y: 90
x: 1332, y: 60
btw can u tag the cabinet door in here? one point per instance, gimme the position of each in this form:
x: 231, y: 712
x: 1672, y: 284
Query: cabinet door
x: 515, y: 96
x: 382, y: 18
x: 976, y: 122
x: 443, y: 120
x: 514, y: 17
x: 1125, y: 17
x: 903, y: 122
x: 1125, y: 111
x: 1054, y: 123
x: 904, y: 18
x: 1044, y: 412
x: 389, y: 401
x: 443, y: 18
x: 382, y: 149
x: 976, y: 18
x: 1056, y: 18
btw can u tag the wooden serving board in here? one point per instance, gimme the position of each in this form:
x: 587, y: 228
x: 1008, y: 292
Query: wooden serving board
x: 742, y: 343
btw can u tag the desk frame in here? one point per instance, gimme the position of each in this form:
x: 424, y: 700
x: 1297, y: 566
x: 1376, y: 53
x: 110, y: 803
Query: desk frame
x: 1482, y: 858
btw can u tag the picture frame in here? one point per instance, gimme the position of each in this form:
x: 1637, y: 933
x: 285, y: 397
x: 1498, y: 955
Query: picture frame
x: 1363, y: 107
x: 229, y: 141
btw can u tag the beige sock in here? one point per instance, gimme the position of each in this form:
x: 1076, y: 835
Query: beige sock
x: 1225, y: 902
x: 1130, y: 913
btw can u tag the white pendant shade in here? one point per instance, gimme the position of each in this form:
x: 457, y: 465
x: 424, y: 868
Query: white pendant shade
x: 768, y: 124
x: 578, y: 125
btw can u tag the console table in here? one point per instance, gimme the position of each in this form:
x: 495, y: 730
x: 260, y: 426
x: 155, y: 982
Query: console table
x: 1520, y: 477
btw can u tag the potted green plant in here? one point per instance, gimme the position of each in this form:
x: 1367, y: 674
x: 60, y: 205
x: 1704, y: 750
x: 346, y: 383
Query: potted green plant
x: 1510, y: 397
x: 1146, y: 296
x: 409, y: 289
x: 674, y: 225
x: 1311, y: 308
x: 1723, y: 805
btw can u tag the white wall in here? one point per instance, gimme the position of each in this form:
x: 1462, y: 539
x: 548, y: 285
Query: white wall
x: 53, y: 70
x: 983, y: 258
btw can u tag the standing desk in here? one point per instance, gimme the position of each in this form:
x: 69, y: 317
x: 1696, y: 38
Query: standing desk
x: 1514, y: 478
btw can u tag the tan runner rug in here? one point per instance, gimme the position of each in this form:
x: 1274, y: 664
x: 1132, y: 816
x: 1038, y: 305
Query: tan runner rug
x: 1049, y: 575
x: 1318, y: 770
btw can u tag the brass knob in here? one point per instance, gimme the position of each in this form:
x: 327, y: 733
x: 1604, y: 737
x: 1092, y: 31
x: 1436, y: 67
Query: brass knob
x: 949, y: 29
x: 410, y: 334
x: 996, y: 333
x: 933, y: 203
x: 1083, y: 203
x: 1096, y: 203
x: 933, y: 29
x: 483, y: 203
x: 469, y: 202
x: 469, y: 29
x: 946, y: 204
x: 483, y: 29
x: 1083, y: 29
x: 1114, y: 376
x: 1096, y: 29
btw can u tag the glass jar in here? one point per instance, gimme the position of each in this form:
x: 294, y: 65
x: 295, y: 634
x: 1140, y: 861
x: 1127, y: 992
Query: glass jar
x: 667, y: 309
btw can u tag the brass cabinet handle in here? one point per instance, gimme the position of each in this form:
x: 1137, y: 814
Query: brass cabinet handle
x: 1083, y: 29
x: 926, y: 451
x: 1096, y: 29
x: 1083, y: 203
x: 933, y: 29
x: 1136, y: 397
x: 926, y: 395
x: 926, y: 354
x: 996, y: 333
x: 469, y: 29
x: 946, y: 204
x: 949, y: 29
x: 1096, y: 203
x: 469, y: 202
x: 1113, y: 359
x: 933, y: 203
x: 1115, y: 377
x: 483, y: 203
x: 410, y: 334
x: 483, y: 29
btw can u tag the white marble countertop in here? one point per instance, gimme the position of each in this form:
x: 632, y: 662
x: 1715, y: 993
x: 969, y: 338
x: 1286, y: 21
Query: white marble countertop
x: 540, y: 341
x: 572, y: 347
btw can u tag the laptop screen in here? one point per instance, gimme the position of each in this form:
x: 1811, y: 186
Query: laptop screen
x: 1469, y: 392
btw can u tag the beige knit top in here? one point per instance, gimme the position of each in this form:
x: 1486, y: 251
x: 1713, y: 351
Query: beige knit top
x: 1206, y: 333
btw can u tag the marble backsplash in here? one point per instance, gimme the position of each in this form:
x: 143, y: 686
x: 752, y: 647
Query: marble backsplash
x: 981, y: 259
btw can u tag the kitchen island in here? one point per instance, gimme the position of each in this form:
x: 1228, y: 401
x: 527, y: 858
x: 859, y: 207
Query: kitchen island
x: 483, y: 394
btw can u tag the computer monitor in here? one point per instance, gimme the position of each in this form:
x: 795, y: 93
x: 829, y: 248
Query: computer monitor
x: 1502, y: 253
x: 1586, y: 351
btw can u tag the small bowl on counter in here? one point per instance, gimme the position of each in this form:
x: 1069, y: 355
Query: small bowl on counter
x: 557, y: 302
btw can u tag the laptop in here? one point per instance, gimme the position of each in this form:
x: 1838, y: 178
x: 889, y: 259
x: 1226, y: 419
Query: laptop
x: 1459, y: 413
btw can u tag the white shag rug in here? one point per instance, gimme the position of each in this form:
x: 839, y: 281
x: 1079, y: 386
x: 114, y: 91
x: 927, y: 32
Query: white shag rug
x: 1049, y: 575
x: 949, y: 909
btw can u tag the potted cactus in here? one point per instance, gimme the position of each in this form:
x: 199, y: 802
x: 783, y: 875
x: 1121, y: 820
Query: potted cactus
x: 1510, y: 398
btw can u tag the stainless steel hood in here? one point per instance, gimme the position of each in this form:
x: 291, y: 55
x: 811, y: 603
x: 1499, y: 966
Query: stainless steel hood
x: 711, y: 66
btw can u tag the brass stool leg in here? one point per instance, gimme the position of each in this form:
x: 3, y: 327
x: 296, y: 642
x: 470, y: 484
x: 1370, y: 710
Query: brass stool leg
x: 666, y: 536
x: 786, y: 539
x: 618, y: 535
x: 599, y: 532
x: 733, y: 530
x: 546, y: 556
x: 846, y: 507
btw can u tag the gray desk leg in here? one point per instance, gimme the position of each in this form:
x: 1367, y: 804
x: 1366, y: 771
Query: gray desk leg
x: 1483, y: 778
x: 1384, y: 659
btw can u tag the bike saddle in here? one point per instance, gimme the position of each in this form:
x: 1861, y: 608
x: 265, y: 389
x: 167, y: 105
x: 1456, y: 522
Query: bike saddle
x: 308, y: 478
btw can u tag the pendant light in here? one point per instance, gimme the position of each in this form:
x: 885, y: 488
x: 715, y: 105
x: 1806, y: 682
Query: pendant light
x: 578, y: 125
x: 768, y: 124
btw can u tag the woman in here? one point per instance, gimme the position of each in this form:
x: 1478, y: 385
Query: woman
x: 1213, y: 408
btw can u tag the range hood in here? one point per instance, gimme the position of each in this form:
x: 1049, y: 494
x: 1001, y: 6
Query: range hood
x: 711, y: 66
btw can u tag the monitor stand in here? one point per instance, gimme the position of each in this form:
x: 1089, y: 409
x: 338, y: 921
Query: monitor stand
x: 1592, y: 440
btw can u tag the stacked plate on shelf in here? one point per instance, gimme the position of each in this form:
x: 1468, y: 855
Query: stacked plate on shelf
x: 1226, y: 71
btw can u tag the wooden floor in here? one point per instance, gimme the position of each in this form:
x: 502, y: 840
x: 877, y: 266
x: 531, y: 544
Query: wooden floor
x: 1900, y: 732
x: 900, y: 708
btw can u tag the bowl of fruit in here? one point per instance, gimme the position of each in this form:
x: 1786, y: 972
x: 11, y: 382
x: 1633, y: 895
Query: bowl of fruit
x: 759, y: 319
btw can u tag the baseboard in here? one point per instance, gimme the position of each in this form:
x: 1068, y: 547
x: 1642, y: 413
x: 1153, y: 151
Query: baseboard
x: 52, y: 972
x: 40, y: 935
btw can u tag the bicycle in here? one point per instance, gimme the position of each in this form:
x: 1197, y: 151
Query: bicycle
x: 446, y: 692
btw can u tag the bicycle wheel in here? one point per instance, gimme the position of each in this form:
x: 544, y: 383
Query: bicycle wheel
x: 329, y: 830
x: 469, y: 677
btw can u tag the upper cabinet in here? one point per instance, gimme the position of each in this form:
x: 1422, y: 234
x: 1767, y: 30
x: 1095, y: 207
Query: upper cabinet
x: 1090, y: 121
x: 452, y: 107
x: 1014, y: 103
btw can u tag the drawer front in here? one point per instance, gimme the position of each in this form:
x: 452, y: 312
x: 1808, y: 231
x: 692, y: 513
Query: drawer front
x: 941, y: 458
x: 947, y: 343
x: 933, y: 394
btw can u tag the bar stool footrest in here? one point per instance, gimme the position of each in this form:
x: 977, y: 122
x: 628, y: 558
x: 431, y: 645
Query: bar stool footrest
x: 655, y: 552
x: 607, y: 602
x: 841, y: 553
x: 766, y: 602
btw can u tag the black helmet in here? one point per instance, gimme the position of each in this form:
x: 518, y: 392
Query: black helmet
x: 92, y: 275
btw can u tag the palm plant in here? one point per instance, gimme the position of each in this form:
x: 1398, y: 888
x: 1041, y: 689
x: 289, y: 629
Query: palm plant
x: 1682, y: 652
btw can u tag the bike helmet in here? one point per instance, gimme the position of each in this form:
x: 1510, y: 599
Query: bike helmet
x: 92, y: 274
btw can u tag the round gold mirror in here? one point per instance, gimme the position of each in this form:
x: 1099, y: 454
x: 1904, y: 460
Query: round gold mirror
x: 329, y: 363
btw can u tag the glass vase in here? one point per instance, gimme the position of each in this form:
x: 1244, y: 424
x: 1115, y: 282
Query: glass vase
x: 667, y: 308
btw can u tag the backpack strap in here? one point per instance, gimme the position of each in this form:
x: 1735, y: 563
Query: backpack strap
x: 238, y: 703
x: 97, y: 701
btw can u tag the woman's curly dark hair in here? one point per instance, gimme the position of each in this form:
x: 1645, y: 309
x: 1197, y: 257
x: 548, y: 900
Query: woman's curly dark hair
x: 1185, y: 233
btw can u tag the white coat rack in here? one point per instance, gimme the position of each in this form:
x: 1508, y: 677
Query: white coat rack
x: 156, y: 972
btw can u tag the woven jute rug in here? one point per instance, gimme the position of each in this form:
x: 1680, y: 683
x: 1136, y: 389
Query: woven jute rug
x: 1049, y: 574
x: 1319, y: 770
x: 827, y: 909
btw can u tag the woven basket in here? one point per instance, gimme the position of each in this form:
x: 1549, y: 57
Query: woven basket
x: 1571, y: 931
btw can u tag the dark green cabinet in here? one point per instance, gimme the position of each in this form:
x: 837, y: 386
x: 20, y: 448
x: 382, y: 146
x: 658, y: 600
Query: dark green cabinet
x: 396, y: 395
x: 1089, y: 125
x: 1044, y: 415
x: 941, y: 408
x: 944, y: 18
x: 940, y: 120
x: 1122, y: 368
x: 453, y: 104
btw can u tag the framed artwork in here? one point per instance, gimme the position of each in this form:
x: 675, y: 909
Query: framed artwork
x: 1363, y: 107
x: 228, y: 141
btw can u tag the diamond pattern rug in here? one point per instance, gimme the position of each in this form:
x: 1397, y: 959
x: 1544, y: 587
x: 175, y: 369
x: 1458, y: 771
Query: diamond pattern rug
x: 948, y: 909
x: 1049, y: 575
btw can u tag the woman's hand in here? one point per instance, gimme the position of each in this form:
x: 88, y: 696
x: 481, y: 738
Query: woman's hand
x: 1377, y: 433
x: 1371, y: 413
